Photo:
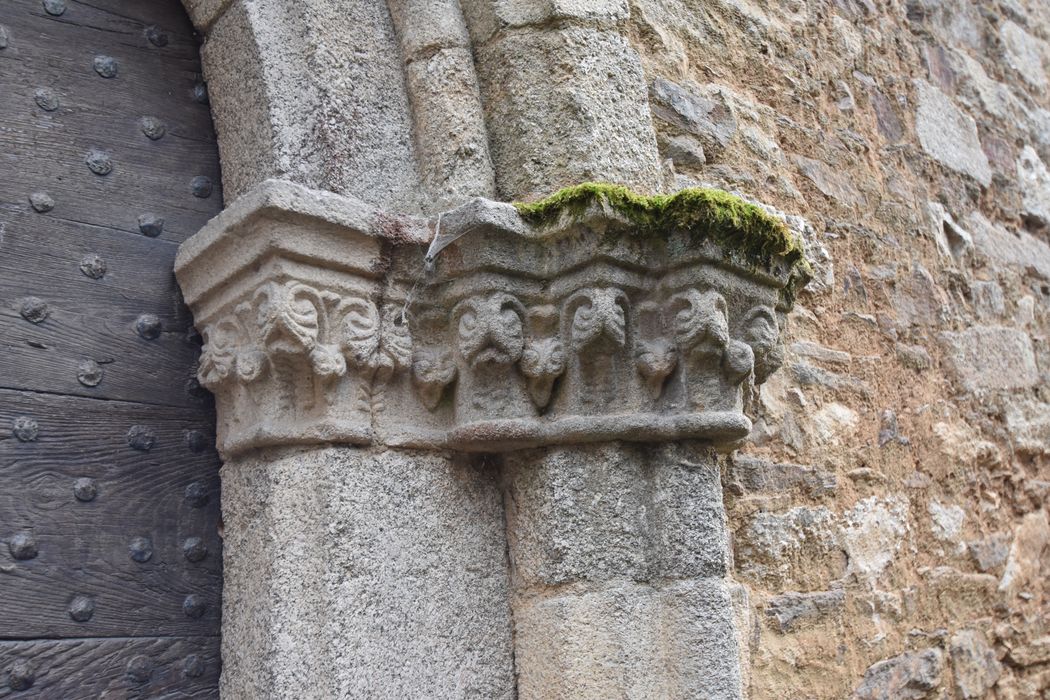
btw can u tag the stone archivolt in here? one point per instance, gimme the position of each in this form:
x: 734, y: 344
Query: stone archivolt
x: 325, y: 327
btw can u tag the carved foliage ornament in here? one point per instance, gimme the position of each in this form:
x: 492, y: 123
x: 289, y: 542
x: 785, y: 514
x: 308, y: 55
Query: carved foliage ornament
x: 335, y: 334
x: 515, y: 337
x: 290, y: 319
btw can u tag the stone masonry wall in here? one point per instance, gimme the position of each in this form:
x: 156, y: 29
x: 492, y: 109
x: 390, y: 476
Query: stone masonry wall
x: 890, y: 516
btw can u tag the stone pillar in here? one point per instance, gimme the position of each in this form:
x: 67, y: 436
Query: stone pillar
x: 564, y: 93
x: 588, y: 353
x: 619, y: 562
x: 363, y: 573
x: 311, y: 91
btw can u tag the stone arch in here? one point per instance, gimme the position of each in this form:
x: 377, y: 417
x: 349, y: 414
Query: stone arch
x: 417, y: 106
x: 371, y: 99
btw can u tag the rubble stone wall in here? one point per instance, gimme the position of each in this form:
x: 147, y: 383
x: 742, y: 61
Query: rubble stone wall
x: 890, y: 516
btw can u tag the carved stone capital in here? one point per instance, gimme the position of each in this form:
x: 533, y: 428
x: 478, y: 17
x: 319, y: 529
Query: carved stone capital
x: 323, y: 323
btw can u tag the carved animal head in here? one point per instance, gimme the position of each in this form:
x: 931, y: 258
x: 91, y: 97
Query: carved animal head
x: 700, y: 321
x: 656, y: 359
x: 432, y: 370
x: 288, y: 317
x: 542, y: 362
x: 490, y: 329
x: 598, y: 314
x: 762, y: 333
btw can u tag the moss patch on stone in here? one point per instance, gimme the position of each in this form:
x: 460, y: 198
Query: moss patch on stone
x: 735, y: 225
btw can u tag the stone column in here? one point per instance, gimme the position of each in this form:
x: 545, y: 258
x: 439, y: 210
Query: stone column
x: 353, y: 569
x: 588, y: 353
x: 564, y: 93
x: 619, y: 566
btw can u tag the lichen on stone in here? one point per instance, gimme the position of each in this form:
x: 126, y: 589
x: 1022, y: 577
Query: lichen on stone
x: 737, y: 226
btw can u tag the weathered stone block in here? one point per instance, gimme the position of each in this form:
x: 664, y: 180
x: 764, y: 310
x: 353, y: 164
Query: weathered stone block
x: 792, y: 611
x: 1034, y: 180
x: 488, y: 17
x: 799, y: 547
x: 975, y: 667
x: 672, y: 641
x: 614, y: 511
x: 565, y: 106
x: 1024, y: 565
x: 707, y: 117
x: 949, y: 135
x: 425, y: 27
x: 354, y: 573
x: 990, y: 553
x: 910, y: 676
x: 1024, y: 53
x: 991, y: 357
x: 1019, y: 249
x: 752, y: 475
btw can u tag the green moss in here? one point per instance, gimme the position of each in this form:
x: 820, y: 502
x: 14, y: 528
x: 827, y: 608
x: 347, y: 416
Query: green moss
x: 705, y: 214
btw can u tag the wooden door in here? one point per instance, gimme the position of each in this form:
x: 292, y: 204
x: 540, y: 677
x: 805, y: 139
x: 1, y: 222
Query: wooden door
x: 110, y: 550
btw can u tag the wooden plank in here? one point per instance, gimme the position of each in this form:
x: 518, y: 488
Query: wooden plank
x: 84, y: 547
x: 47, y: 149
x: 78, y: 669
x: 40, y: 252
x: 93, y: 319
x: 79, y: 497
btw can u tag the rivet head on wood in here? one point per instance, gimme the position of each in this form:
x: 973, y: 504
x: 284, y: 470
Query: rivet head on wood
x: 141, y: 438
x: 194, y: 388
x: 151, y: 225
x: 194, y: 549
x: 34, y: 309
x: 201, y: 186
x: 41, y: 202
x: 55, y: 8
x: 46, y: 99
x: 93, y: 266
x: 156, y: 36
x: 3, y: 37
x: 200, y: 93
x: 193, y: 666
x: 20, y: 676
x: 89, y: 373
x: 196, y: 440
x: 141, y: 549
x: 82, y: 608
x: 148, y: 326
x: 139, y: 669
x: 99, y: 162
x: 153, y: 128
x: 22, y: 546
x: 85, y: 490
x: 25, y: 428
x: 106, y: 66
x: 197, y: 494
x: 194, y: 606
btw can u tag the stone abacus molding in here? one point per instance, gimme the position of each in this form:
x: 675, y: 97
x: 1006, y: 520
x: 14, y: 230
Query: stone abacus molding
x: 323, y: 325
